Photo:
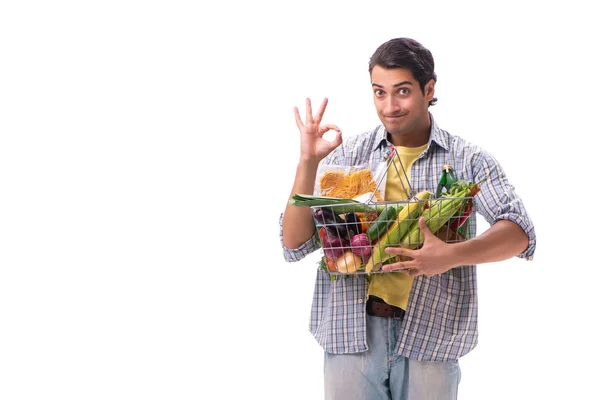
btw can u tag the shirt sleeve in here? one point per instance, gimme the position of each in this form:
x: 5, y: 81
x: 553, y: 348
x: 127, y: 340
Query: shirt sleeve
x: 497, y: 199
x: 292, y: 255
x: 313, y: 243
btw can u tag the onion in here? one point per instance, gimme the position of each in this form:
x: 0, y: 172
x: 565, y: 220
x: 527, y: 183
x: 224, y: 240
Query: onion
x: 361, y: 245
x: 333, y: 246
x: 348, y: 263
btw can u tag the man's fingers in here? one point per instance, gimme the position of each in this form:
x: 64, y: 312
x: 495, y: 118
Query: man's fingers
x: 399, y: 266
x: 309, y: 117
x: 319, y: 115
x: 337, y: 141
x: 399, y: 251
x: 424, y: 228
x: 299, y: 123
x: 329, y: 127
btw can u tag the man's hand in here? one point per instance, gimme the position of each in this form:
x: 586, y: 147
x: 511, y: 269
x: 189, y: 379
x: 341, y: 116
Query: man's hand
x: 313, y: 146
x: 433, y: 258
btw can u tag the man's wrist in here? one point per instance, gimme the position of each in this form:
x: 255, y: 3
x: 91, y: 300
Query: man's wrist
x: 308, y: 161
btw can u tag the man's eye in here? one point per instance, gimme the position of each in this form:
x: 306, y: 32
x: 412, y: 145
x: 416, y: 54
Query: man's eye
x: 403, y: 91
x: 378, y: 93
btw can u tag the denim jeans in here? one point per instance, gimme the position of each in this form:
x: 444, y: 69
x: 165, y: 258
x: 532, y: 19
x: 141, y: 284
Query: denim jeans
x: 379, y: 373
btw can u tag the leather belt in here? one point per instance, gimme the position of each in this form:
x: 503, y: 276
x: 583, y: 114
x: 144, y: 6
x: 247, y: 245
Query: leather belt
x: 379, y: 308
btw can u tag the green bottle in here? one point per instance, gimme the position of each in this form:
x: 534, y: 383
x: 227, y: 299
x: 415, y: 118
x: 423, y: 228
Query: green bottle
x: 447, y: 178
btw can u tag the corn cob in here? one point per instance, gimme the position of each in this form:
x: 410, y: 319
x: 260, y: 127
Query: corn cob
x: 396, y: 231
x: 439, y: 212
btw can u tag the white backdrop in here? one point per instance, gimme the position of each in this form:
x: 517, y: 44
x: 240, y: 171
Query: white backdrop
x: 147, y: 149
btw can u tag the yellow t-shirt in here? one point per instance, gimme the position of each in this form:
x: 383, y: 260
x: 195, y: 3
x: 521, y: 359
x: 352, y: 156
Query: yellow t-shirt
x: 394, y: 287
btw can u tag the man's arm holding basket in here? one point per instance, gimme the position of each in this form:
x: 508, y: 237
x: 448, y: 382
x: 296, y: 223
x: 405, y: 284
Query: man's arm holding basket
x: 511, y: 231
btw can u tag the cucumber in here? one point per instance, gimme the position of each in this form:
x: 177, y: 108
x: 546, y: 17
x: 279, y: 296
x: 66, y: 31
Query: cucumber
x: 382, y: 222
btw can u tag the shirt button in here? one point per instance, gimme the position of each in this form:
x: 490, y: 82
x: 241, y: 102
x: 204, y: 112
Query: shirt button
x: 360, y: 300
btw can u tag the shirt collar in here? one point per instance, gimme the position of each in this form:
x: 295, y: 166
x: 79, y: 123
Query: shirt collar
x: 438, y: 136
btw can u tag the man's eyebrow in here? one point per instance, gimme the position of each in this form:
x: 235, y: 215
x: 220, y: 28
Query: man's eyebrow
x: 395, y: 85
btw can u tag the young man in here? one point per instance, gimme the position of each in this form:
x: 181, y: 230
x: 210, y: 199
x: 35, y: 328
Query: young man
x: 400, y: 334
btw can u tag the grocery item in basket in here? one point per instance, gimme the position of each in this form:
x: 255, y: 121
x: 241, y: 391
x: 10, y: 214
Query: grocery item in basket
x: 381, y: 224
x: 350, y: 184
x: 333, y: 223
x: 441, y: 210
x: 348, y: 263
x: 361, y: 245
x: 397, y: 230
x: 447, y: 179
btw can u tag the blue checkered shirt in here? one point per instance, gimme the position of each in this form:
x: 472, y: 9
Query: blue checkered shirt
x: 440, y: 323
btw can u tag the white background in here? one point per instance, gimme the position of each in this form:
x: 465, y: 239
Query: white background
x: 147, y: 149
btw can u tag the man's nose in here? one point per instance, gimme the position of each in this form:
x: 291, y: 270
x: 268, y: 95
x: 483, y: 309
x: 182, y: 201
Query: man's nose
x: 392, y: 105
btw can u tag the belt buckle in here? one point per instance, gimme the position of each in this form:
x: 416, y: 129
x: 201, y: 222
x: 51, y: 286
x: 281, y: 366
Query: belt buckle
x: 398, y: 314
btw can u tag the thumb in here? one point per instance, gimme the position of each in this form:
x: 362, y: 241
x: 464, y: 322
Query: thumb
x: 337, y: 140
x: 424, y: 228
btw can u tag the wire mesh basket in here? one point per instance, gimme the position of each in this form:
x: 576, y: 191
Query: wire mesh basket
x: 354, y: 235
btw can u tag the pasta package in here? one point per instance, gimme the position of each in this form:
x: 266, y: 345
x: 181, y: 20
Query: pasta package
x: 348, y: 182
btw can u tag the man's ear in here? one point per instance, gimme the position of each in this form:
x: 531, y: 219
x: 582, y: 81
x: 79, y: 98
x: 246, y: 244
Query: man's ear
x: 430, y: 89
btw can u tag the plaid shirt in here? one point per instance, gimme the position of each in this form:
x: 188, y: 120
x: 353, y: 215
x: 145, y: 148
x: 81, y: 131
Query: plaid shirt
x: 440, y: 323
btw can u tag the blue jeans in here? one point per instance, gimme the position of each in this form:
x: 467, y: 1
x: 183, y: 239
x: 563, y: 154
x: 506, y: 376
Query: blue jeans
x: 379, y: 373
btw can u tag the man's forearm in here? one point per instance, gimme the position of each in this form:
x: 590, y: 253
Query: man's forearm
x: 298, y: 224
x: 501, y: 241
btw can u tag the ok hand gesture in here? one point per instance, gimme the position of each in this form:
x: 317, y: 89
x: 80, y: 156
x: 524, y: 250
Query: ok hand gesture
x: 313, y: 146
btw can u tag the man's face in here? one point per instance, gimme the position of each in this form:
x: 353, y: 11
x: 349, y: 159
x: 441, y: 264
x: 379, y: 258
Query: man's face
x: 401, y: 105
